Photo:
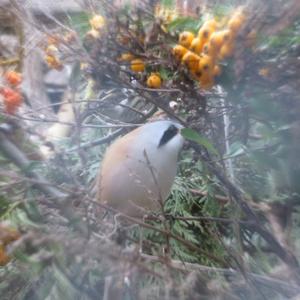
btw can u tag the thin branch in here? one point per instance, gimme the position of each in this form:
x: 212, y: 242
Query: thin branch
x: 23, y: 163
x: 272, y: 283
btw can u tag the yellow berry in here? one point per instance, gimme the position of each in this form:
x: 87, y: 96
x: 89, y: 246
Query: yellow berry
x: 206, y: 63
x: 226, y: 50
x: 197, y: 73
x: 206, y: 81
x: 186, y: 38
x: 51, y: 50
x: 207, y: 29
x: 53, y: 62
x: 191, y: 60
x: 126, y: 57
x: 213, y: 24
x: 179, y: 51
x: 97, y: 22
x: 209, y: 50
x: 154, y: 81
x: 196, y: 45
x: 236, y: 21
x: 84, y: 66
x: 204, y: 34
x: 217, y: 39
x: 137, y: 65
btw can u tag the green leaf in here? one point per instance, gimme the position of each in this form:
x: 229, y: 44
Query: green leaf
x: 185, y: 23
x: 80, y: 23
x: 222, y: 10
x: 192, y: 135
x: 4, y: 205
x: 264, y: 160
x: 168, y: 3
x: 236, y: 149
x: 165, y: 74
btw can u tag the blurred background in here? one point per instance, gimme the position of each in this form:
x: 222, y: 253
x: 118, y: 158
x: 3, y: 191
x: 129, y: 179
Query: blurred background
x: 77, y: 74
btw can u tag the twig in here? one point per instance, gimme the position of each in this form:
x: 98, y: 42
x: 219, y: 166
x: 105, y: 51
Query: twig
x: 186, y: 243
x: 237, y: 196
x: 217, y: 197
x: 272, y: 283
x: 59, y: 198
x: 214, y: 219
x: 98, y: 142
x: 8, y: 62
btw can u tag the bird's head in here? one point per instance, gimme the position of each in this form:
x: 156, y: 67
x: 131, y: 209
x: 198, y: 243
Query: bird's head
x: 161, y: 137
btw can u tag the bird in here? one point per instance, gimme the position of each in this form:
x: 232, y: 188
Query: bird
x: 138, y: 169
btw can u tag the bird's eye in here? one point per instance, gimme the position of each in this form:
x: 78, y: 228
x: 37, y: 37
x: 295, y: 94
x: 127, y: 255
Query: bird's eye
x: 168, y: 135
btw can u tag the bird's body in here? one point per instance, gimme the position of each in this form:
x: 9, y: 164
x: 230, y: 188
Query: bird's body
x: 138, y: 170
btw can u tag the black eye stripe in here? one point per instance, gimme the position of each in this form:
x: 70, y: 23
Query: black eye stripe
x: 168, y: 135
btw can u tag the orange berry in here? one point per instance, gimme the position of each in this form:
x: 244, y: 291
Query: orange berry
x: 8, y: 234
x: 196, y: 45
x: 6, y: 92
x: 137, y: 65
x: 213, y: 24
x: 12, y: 77
x: 154, y: 81
x: 236, y: 21
x: 226, y: 50
x: 217, y: 39
x: 179, y: 51
x: 204, y: 34
x: 12, y: 99
x: 217, y: 71
x: 11, y: 95
x: 4, y: 258
x: 197, y: 74
x: 207, y: 29
x: 206, y: 64
x: 206, y: 81
x: 209, y: 50
x: 191, y: 60
x: 186, y: 38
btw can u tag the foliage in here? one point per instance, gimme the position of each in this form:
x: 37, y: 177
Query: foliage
x: 232, y: 217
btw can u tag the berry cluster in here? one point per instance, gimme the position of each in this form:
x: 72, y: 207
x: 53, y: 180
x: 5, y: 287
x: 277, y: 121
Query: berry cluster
x: 11, y: 94
x: 214, y: 42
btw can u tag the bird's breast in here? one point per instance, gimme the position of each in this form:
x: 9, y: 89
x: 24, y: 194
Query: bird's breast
x: 136, y: 181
